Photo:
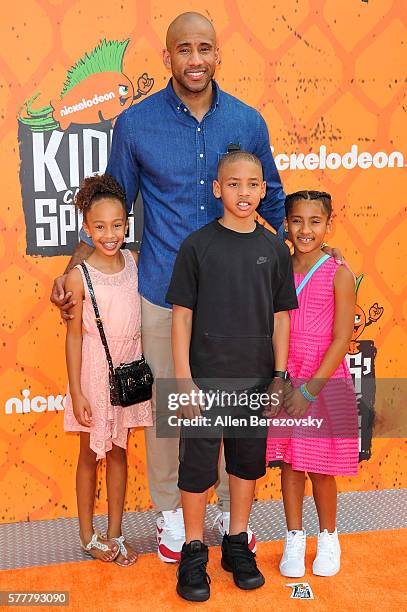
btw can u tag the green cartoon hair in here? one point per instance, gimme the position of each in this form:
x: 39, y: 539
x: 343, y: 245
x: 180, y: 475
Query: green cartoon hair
x: 358, y: 281
x: 106, y: 57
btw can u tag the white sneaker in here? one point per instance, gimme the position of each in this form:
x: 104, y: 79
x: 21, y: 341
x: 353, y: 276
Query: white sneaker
x: 328, y: 559
x: 222, y: 522
x: 292, y: 562
x: 170, y: 535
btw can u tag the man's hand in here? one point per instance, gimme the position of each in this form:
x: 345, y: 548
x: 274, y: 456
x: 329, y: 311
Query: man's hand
x: 335, y: 253
x: 276, y: 393
x: 58, y: 295
x: 82, y: 410
x: 61, y: 299
x: 295, y: 403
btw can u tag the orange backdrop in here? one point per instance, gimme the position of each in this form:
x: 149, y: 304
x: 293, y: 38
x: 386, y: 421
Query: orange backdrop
x: 323, y: 73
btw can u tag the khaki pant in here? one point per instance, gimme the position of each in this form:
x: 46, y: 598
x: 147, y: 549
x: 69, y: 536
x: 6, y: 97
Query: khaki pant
x: 162, y: 453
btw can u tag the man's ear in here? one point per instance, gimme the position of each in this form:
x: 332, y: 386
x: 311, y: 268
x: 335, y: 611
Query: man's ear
x: 167, y: 59
x: 216, y: 189
x: 217, y: 56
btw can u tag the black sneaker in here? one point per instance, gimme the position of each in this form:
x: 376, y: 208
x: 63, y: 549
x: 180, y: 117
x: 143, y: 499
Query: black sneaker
x: 239, y: 559
x: 193, y: 581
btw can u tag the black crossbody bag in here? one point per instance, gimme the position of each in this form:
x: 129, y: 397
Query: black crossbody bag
x: 129, y: 383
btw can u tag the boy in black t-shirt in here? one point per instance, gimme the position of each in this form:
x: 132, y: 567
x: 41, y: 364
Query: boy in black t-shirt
x: 231, y: 288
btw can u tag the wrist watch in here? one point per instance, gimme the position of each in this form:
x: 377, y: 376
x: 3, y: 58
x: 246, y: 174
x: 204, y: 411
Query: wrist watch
x: 280, y: 374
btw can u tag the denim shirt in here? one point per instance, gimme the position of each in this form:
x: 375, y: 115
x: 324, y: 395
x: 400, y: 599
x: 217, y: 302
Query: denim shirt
x: 161, y: 149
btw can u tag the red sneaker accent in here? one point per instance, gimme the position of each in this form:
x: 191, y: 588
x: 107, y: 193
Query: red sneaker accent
x: 252, y: 543
x: 169, y: 555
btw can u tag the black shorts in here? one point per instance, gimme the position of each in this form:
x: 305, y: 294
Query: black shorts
x: 244, y: 447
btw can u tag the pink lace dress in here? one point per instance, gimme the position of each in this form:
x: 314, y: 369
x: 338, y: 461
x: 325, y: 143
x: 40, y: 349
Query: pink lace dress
x: 119, y: 305
x: 334, y: 447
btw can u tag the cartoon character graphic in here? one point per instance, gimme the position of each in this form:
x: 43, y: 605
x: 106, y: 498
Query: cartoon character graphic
x: 375, y: 312
x: 95, y: 90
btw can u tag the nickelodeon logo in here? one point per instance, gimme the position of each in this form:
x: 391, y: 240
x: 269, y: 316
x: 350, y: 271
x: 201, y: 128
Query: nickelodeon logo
x: 99, y: 70
x: 332, y: 161
x: 38, y: 403
x: 67, y: 110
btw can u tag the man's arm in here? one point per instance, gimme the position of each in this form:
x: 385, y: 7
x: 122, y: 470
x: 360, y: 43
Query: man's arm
x: 82, y: 252
x: 272, y: 206
x: 123, y: 164
x: 58, y: 295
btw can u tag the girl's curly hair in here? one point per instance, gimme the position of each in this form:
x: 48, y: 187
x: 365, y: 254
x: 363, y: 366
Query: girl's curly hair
x: 94, y: 188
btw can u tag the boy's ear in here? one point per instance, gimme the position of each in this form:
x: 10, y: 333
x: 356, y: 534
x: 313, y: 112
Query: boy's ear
x: 263, y: 189
x: 285, y: 224
x: 216, y: 189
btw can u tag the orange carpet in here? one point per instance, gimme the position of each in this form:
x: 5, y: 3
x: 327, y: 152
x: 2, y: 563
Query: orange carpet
x: 374, y: 568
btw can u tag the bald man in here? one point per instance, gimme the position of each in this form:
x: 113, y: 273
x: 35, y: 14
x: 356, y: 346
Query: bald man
x: 168, y: 146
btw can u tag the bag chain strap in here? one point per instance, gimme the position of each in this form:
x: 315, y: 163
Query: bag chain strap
x: 97, y: 318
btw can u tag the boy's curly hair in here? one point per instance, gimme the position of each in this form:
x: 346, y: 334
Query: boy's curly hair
x: 94, y: 188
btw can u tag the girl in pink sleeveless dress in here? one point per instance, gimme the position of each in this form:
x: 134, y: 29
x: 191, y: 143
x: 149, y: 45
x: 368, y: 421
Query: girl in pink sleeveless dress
x: 320, y: 405
x: 103, y: 428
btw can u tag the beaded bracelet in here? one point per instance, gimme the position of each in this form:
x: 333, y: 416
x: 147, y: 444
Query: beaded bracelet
x: 308, y: 396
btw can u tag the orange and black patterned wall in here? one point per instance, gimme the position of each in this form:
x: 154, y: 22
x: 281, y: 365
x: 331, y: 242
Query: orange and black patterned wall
x: 328, y: 78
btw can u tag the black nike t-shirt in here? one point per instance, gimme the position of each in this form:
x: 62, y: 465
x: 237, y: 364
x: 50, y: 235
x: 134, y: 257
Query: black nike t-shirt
x: 234, y: 283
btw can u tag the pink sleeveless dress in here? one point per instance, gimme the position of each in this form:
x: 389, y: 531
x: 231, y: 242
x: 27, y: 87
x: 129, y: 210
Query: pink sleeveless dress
x: 118, y: 301
x: 334, y: 448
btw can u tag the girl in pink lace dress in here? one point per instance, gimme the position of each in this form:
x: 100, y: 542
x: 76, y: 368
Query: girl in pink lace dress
x: 103, y: 428
x: 320, y: 332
